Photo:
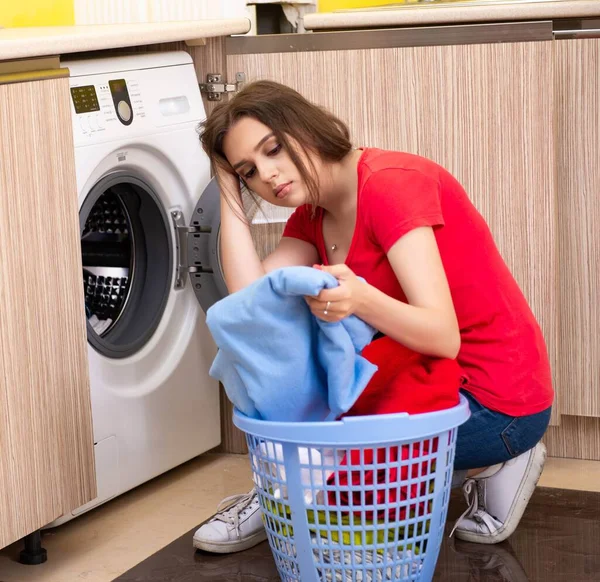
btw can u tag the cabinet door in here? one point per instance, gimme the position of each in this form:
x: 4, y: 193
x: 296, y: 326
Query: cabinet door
x: 485, y: 112
x: 577, y: 83
x: 46, y: 442
x: 578, y: 187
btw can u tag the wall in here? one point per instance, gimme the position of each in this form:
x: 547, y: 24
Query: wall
x: 125, y: 11
x: 36, y: 13
x: 331, y: 5
x: 68, y: 12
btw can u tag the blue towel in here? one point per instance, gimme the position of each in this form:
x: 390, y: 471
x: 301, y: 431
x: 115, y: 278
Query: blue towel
x: 277, y: 361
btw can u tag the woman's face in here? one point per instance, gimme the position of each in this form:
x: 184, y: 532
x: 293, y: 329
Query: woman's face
x: 263, y: 163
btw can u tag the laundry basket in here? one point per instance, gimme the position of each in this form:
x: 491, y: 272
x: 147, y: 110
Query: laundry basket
x: 363, y: 499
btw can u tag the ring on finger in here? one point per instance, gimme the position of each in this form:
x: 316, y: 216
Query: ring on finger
x: 327, y: 308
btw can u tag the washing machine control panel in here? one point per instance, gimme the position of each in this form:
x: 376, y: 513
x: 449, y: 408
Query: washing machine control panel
x: 130, y: 103
x: 100, y: 106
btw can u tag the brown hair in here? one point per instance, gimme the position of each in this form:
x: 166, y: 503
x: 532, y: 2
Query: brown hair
x: 286, y: 113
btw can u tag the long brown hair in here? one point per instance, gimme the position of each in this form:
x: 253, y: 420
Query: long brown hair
x: 287, y: 114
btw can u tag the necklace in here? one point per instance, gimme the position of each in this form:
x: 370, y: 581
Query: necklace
x: 334, y: 247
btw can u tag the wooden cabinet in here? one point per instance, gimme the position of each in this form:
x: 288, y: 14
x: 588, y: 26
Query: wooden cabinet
x: 484, y: 111
x: 577, y: 89
x: 46, y: 443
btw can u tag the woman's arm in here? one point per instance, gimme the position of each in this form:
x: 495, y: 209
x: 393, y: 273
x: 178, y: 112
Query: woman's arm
x: 239, y: 259
x: 427, y: 324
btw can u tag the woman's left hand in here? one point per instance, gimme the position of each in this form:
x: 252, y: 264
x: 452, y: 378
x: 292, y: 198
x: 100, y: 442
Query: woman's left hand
x: 340, y: 302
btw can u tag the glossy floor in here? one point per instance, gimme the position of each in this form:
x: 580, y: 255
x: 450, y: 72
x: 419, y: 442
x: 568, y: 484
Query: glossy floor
x: 556, y: 541
x: 148, y: 530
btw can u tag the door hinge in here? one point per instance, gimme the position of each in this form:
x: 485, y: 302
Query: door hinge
x: 191, y: 249
x: 215, y: 87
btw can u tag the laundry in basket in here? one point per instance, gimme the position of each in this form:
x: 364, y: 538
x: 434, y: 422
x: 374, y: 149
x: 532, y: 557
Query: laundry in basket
x: 377, y: 561
x: 334, y: 549
x: 321, y: 461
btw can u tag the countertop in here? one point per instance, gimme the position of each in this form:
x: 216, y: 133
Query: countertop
x: 19, y: 43
x: 453, y: 12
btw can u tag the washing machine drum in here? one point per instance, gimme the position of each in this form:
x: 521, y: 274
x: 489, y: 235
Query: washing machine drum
x: 128, y: 267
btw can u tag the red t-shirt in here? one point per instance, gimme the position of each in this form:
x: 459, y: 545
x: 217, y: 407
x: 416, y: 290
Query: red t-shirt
x: 502, y: 354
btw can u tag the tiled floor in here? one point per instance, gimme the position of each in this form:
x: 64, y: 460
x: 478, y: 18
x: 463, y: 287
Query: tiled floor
x: 560, y: 530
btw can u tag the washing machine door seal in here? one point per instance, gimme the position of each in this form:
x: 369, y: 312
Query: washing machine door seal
x: 198, y: 248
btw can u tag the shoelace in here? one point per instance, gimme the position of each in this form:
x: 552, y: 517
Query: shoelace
x: 475, y: 509
x: 230, y: 508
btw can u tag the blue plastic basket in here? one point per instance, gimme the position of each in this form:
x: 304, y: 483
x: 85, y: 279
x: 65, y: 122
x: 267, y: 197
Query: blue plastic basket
x: 363, y: 499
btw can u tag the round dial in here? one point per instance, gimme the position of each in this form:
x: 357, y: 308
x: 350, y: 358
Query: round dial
x: 124, y: 111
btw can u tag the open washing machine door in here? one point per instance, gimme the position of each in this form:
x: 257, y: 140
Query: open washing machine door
x: 198, y: 248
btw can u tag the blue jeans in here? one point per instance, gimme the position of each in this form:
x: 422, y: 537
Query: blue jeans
x: 490, y: 437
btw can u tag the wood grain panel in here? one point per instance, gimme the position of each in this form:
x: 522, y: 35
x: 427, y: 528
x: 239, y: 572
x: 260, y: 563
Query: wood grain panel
x: 485, y: 112
x: 578, y: 184
x: 577, y: 437
x: 46, y: 443
x: 210, y: 58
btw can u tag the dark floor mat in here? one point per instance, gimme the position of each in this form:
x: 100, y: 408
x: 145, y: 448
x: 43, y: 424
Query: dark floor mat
x: 558, y: 540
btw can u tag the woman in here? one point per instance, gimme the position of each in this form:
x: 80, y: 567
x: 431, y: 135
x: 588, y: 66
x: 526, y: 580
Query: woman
x: 415, y: 260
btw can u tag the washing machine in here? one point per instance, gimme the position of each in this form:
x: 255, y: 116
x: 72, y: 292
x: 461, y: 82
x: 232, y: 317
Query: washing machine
x: 149, y: 222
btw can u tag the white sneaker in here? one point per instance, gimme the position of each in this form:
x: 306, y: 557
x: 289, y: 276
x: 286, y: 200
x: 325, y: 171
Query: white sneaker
x: 236, y: 526
x: 497, y: 501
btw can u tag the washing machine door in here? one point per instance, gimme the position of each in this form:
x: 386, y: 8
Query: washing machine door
x: 127, y: 257
x: 198, y: 248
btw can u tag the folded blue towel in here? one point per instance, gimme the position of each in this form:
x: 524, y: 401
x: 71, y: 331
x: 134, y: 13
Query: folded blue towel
x: 278, y: 361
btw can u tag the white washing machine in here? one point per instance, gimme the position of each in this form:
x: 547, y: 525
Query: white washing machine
x: 149, y: 220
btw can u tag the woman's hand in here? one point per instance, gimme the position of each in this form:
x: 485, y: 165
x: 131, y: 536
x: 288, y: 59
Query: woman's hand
x: 336, y: 304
